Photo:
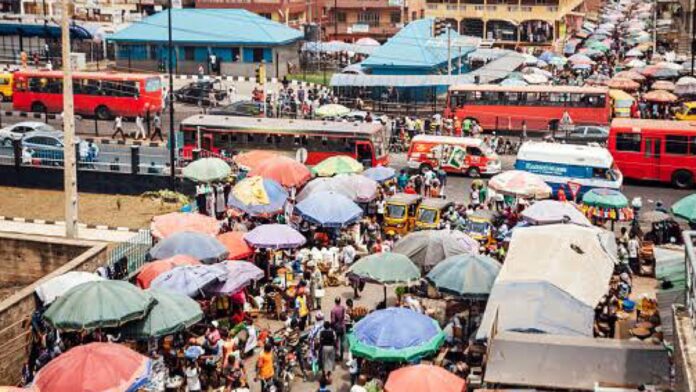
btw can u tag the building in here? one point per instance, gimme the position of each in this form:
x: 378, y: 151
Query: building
x: 294, y: 13
x: 239, y: 39
x: 350, y: 20
x: 101, y: 10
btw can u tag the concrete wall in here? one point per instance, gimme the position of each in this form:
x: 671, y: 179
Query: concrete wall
x: 36, y: 253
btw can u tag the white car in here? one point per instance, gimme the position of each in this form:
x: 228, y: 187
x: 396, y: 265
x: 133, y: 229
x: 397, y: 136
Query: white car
x: 17, y: 131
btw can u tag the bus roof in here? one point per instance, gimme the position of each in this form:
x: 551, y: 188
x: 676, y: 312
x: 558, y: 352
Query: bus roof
x: 469, y: 141
x: 261, y: 124
x: 86, y: 75
x: 637, y: 125
x: 529, y: 89
x: 568, y: 154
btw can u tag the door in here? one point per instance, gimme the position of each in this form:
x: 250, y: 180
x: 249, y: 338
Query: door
x: 207, y: 142
x: 652, y: 153
x: 364, y: 153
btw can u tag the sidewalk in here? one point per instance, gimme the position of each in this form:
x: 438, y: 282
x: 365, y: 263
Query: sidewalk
x: 57, y: 229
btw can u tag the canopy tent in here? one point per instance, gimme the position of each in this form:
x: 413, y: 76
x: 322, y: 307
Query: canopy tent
x: 426, y: 248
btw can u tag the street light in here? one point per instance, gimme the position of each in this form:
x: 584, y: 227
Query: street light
x: 172, y: 137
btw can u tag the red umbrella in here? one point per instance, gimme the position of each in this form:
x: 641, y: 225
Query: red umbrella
x: 163, y: 226
x: 250, y: 159
x: 660, y: 96
x: 93, y: 367
x: 234, y: 242
x: 632, y: 75
x: 423, y: 378
x: 286, y: 171
x: 154, y: 269
x: 623, y: 84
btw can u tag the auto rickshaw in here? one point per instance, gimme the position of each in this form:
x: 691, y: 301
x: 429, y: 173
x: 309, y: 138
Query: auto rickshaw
x: 430, y: 212
x: 400, y: 213
x: 481, y: 226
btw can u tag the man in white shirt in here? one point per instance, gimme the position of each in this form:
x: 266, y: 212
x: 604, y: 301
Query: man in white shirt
x: 360, y: 385
x: 632, y: 247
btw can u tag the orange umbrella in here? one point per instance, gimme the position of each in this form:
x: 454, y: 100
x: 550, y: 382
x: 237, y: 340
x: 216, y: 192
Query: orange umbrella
x: 423, y: 378
x: 250, y: 159
x: 165, y: 225
x: 286, y: 171
x: 660, y: 96
x: 633, y: 75
x: 154, y: 269
x: 623, y: 84
x: 663, y: 85
x: 234, y: 242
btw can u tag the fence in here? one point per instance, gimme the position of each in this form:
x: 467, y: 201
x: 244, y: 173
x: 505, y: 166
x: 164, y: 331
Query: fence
x: 126, y: 258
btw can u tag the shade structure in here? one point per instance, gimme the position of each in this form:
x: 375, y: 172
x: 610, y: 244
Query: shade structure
x: 513, y: 83
x: 329, y: 209
x: 258, y: 196
x: 598, y: 79
x: 535, y: 79
x: 426, y: 248
x: 653, y: 217
x: 94, y: 367
x: 98, y: 304
x: 465, y: 275
x: 395, y: 335
x: 519, y: 183
x: 580, y: 59
x: 670, y: 65
x: 203, y: 247
x: 424, y: 378
x: 386, y: 268
x: 380, y: 173
x: 686, y: 80
x: 151, y: 270
x: 239, y: 274
x: 165, y: 225
x: 189, y: 280
x: 656, y: 72
x: 250, y: 159
x: 546, y: 212
x: 558, y: 61
x: 50, y: 290
x: 685, y: 89
x: 635, y: 63
x: 367, y: 41
x: 338, y: 164
x: 332, y: 110
x: 358, y: 188
x: 686, y: 208
x: 172, y: 313
x: 275, y: 236
x: 234, y: 242
x: 660, y: 96
x: 623, y: 84
x: 663, y: 85
x: 634, y: 53
x: 207, y: 170
x: 632, y: 75
x: 604, y: 198
x: 283, y: 170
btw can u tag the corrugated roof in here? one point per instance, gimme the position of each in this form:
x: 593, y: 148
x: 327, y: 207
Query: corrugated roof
x: 206, y: 26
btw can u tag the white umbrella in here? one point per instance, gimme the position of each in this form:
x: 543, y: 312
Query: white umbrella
x: 636, y: 63
x: 686, y: 80
x: 669, y: 65
x: 50, y: 290
x: 535, y: 79
x: 634, y: 53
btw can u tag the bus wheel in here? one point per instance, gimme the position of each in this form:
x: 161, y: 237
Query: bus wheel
x: 682, y: 179
x: 425, y: 167
x: 38, y: 107
x: 102, y: 113
x: 473, y: 172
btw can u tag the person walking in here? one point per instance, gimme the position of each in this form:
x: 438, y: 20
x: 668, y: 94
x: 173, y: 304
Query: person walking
x: 157, y: 121
x: 264, y: 368
x: 327, y: 342
x: 140, y: 129
x: 118, y: 128
x: 338, y: 322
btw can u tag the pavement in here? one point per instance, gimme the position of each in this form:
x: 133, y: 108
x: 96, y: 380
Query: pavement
x: 57, y: 229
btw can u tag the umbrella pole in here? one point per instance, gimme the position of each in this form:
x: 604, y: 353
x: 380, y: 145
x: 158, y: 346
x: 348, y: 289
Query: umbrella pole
x: 385, y: 295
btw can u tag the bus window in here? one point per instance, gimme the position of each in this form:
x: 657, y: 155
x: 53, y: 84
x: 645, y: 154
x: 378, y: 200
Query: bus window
x: 473, y: 151
x: 628, y: 142
x: 652, y: 147
x: 692, y: 145
x: 677, y: 145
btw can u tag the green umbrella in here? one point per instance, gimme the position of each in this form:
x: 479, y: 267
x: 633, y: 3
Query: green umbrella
x: 465, y: 275
x: 207, y: 170
x: 686, y: 208
x: 339, y: 164
x: 604, y: 198
x: 99, y: 304
x: 597, y: 45
x: 172, y: 313
x: 332, y: 110
x: 386, y: 268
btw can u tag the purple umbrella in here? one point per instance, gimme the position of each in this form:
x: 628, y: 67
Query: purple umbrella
x: 275, y: 236
x: 239, y: 275
x: 189, y: 280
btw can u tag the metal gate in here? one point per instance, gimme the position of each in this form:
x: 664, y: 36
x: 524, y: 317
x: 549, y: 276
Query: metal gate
x: 126, y: 258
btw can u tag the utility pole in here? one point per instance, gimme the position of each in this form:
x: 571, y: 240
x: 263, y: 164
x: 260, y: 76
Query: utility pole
x: 692, y: 31
x: 69, y: 164
x: 449, y: 50
x: 172, y: 136
x: 335, y: 22
x: 655, y: 28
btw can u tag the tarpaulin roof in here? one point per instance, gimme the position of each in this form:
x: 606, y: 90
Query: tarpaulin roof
x: 337, y: 46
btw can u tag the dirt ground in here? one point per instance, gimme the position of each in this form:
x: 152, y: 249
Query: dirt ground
x: 111, y: 210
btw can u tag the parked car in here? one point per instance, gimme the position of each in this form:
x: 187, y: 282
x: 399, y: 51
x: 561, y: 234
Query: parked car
x: 199, y: 91
x: 239, y: 108
x: 49, y: 145
x: 584, y: 134
x: 17, y: 131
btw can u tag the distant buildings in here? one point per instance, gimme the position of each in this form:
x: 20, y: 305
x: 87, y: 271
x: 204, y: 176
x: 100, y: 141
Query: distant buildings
x: 292, y: 12
x: 350, y: 20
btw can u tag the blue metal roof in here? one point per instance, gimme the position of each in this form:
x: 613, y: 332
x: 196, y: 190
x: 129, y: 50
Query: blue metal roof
x: 41, y: 30
x: 209, y: 26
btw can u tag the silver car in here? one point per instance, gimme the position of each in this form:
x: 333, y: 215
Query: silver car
x: 17, y: 131
x: 49, y: 145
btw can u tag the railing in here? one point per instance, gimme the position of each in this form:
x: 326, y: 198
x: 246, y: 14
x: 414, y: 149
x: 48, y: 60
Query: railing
x: 690, y: 260
x: 126, y: 258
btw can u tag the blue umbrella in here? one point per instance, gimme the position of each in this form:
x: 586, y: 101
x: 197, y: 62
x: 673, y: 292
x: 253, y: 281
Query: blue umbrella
x: 547, y: 56
x: 582, y: 67
x: 380, y: 173
x: 329, y: 209
x: 272, y: 200
x: 465, y: 275
x: 189, y: 280
x: 194, y: 352
x: 203, y: 247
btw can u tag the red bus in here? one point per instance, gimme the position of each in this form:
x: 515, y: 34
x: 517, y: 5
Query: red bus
x: 541, y: 108
x: 103, y: 94
x: 309, y: 141
x: 658, y: 150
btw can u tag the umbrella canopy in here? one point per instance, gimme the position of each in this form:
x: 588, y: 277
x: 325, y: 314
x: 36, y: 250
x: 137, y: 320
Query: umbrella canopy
x: 395, y: 334
x: 670, y: 65
x: 465, y: 275
x: 332, y: 110
x: 94, y: 367
x: 632, y: 75
x: 599, y: 46
x: 172, y: 313
x: 663, y: 85
x: 635, y: 63
x: 329, y: 209
x: 656, y: 72
x: 535, y: 79
x: 547, y: 56
x: 163, y: 226
x: 275, y: 236
x: 686, y: 208
x: 386, y: 268
x: 380, y: 173
x: 202, y: 247
x: 623, y: 84
x: 426, y: 248
x: 660, y: 96
x: 338, y: 164
x: 250, y: 159
x: 56, y: 287
x: 634, y: 53
x: 284, y: 170
x: 547, y: 212
x: 685, y: 89
x: 356, y: 187
x: 424, y: 378
x: 207, y: 170
x: 653, y: 217
x: 558, y: 61
x: 98, y: 304
x: 513, y: 83
x: 520, y: 184
x: 239, y: 275
x: 598, y: 79
x: 189, y: 280
x: 156, y: 268
x: 580, y: 59
x: 235, y: 244
x: 258, y: 196
x: 686, y: 80
x: 605, y: 198
x: 367, y: 41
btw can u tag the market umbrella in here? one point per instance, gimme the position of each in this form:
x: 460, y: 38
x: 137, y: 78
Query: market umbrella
x: 686, y: 80
x: 598, y: 79
x: 250, y: 159
x: 207, y: 170
x: 465, y: 275
x: 395, y: 335
x: 258, y: 196
x: 163, y: 226
x: 623, y: 84
x: 332, y: 110
x: 653, y: 217
x: 380, y: 173
x: 635, y: 63
x: 660, y: 96
x: 239, y: 273
x: 329, y: 209
x: 203, y: 247
x: 235, y: 244
x: 386, y: 268
x: 686, y: 208
x: 98, y: 304
x: 275, y: 236
x: 94, y: 367
x: 151, y: 270
x: 423, y: 378
x: 632, y: 75
x: 426, y: 248
x: 670, y: 65
x: 172, y: 313
x: 599, y: 46
x: 53, y: 288
x: 663, y: 85
x: 581, y: 67
x: 356, y: 187
x: 513, y: 83
x: 634, y: 53
x: 535, y: 79
x: 338, y: 164
x: 519, y: 183
x: 558, y: 61
x: 579, y: 58
x: 659, y: 73
x: 547, y: 56
x: 367, y: 41
x: 546, y: 212
x: 604, y: 198
x: 284, y: 170
x: 189, y: 280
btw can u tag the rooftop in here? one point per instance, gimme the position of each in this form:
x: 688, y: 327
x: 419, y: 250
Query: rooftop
x: 276, y: 125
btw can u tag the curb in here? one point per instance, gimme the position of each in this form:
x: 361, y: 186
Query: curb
x: 140, y: 143
x: 243, y: 79
x: 62, y: 223
x: 32, y: 115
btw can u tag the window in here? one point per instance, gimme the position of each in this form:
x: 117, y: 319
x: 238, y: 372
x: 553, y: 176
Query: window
x: 692, y: 148
x: 153, y: 84
x: 189, y: 53
x: 473, y: 151
x: 154, y: 52
x: 395, y: 17
x: 678, y: 145
x: 257, y: 55
x: 628, y: 142
x: 341, y: 16
x: 370, y: 18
